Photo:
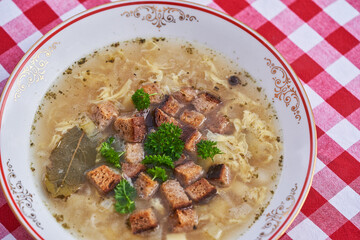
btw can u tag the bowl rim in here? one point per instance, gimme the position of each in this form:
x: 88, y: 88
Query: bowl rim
x: 181, y: 3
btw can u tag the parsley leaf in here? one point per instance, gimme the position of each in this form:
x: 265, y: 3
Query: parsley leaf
x: 207, y: 149
x: 165, y: 141
x: 158, y: 172
x: 141, y: 99
x: 124, y: 196
x: 109, y: 153
x: 159, y: 160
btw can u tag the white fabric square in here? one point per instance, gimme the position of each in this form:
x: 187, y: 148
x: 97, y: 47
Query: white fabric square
x: 3, y: 73
x: 78, y: 9
x: 307, y: 230
x: 347, y: 201
x: 318, y: 166
x: 29, y: 41
x: 8, y: 11
x: 269, y: 8
x: 9, y: 237
x: 343, y: 70
x: 341, y: 11
x: 314, y: 98
x: 344, y: 133
x: 305, y: 37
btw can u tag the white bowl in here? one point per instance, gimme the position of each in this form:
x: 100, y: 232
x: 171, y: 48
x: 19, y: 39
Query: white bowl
x: 76, y: 37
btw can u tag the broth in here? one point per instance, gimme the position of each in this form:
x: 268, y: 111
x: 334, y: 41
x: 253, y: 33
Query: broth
x: 113, y: 73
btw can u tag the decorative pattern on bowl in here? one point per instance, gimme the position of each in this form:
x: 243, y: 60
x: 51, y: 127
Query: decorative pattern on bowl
x: 159, y: 17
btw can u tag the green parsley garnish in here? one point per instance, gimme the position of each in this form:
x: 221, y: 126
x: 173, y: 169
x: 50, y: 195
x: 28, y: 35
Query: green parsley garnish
x: 158, y: 172
x: 125, y: 197
x: 207, y: 149
x: 159, y: 160
x: 109, y: 153
x: 141, y: 99
x: 165, y: 141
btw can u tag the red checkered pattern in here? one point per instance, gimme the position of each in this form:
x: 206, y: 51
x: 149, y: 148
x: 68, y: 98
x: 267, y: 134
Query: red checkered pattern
x: 320, y: 39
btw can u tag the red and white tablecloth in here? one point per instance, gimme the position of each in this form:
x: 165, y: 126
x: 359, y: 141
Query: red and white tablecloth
x: 321, y: 41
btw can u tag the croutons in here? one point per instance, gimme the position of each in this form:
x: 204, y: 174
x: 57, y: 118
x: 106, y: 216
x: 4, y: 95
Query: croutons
x: 219, y: 175
x: 175, y: 194
x: 191, y: 137
x: 200, y: 190
x: 152, y: 88
x: 134, y: 152
x: 188, y: 173
x: 103, y: 178
x: 132, y: 170
x: 143, y: 220
x: 171, y: 106
x: 186, y: 94
x: 130, y: 128
x: 145, y: 186
x: 103, y: 114
x: 193, y: 118
x: 220, y: 125
x: 205, y: 102
x: 161, y: 117
x: 184, y: 220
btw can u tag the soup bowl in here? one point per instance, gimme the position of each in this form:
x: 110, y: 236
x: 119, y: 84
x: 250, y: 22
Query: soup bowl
x: 120, y: 21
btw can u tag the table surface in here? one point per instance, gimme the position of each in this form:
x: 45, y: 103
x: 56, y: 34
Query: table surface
x: 320, y: 39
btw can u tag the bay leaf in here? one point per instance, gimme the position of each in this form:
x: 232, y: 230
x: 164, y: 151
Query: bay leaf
x: 74, y: 155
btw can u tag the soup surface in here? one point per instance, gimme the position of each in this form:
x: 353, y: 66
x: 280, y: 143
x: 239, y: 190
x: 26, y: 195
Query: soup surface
x: 67, y: 138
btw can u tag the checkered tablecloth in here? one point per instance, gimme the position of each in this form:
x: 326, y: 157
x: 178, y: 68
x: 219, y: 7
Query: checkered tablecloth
x: 320, y: 39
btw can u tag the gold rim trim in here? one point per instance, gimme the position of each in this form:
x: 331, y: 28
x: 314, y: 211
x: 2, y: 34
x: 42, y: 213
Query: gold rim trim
x: 202, y: 6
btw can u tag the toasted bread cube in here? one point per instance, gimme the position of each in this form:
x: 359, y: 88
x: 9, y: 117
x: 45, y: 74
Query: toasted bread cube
x: 205, y: 102
x: 219, y: 175
x: 130, y: 128
x: 191, y: 138
x: 103, y: 114
x: 161, y: 117
x: 145, y: 186
x: 175, y: 194
x: 134, y: 152
x: 185, y: 220
x: 186, y: 94
x: 152, y: 88
x: 132, y: 170
x: 193, y: 118
x: 171, y: 106
x: 200, y: 190
x: 143, y: 220
x: 103, y: 178
x: 188, y: 173
x: 220, y: 125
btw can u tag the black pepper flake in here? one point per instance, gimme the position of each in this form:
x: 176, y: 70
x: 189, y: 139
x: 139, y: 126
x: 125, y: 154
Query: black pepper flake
x: 278, y: 139
x: 68, y: 71
x: 259, y: 89
x: 234, y: 80
x: 189, y: 50
x: 81, y: 61
x: 115, y: 44
x: 110, y: 60
x: 281, y: 161
x: 216, y: 88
